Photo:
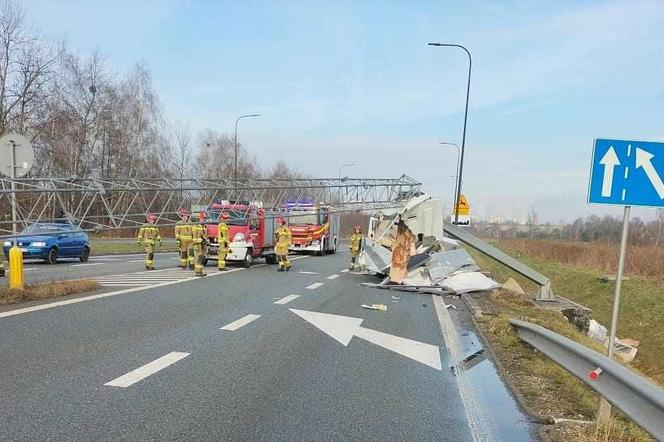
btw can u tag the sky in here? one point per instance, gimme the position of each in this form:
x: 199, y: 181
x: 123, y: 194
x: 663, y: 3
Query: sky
x: 355, y: 82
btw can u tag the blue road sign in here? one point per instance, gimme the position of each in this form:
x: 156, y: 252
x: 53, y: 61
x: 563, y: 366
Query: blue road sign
x: 627, y: 173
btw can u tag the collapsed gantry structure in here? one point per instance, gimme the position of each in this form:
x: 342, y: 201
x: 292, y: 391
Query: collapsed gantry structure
x: 97, y: 204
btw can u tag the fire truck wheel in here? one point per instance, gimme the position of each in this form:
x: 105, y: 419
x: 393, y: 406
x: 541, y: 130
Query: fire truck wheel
x: 248, y: 259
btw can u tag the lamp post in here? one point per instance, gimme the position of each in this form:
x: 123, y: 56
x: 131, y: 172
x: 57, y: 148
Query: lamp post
x: 343, y: 166
x: 340, y: 169
x: 456, y: 178
x: 465, y: 118
x: 235, y: 143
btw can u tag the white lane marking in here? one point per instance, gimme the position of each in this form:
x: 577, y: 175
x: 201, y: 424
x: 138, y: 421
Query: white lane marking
x: 309, y: 273
x: 88, y: 264
x: 335, y: 276
x: 345, y: 270
x: 149, y: 369
x: 240, y: 322
x: 107, y: 295
x: 286, y: 299
x: 175, y: 257
x: 315, y: 285
x: 481, y: 428
x: 426, y: 354
x: 339, y: 328
x: 25, y: 270
x: 136, y: 260
x: 295, y: 258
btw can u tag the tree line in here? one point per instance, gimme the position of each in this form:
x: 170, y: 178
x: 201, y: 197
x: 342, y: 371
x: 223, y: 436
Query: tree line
x: 86, y: 121
x: 592, y: 228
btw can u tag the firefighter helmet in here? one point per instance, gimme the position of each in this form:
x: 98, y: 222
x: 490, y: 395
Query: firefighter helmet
x: 281, y: 220
x: 225, y: 216
x: 357, y: 227
x: 183, y: 212
x: 201, y: 216
x: 151, y: 217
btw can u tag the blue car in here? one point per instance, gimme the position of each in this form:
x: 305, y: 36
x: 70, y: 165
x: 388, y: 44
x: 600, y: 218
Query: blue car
x: 50, y: 241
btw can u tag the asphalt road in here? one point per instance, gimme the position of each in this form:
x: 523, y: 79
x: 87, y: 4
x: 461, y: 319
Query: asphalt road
x: 184, y: 360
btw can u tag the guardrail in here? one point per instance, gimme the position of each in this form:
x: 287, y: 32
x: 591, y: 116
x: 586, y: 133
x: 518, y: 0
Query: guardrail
x: 638, y: 398
x: 545, y: 292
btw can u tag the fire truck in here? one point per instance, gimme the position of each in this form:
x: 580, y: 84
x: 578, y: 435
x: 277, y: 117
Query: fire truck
x: 314, y: 227
x: 250, y: 231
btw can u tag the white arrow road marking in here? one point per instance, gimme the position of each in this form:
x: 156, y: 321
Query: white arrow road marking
x: 609, y: 161
x: 644, y: 161
x: 339, y: 328
x: 286, y: 299
x: 426, y: 354
x: 343, y: 328
x: 143, y: 372
x: 240, y: 322
x: 315, y: 285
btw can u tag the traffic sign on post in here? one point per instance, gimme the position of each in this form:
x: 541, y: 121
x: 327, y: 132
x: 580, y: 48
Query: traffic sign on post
x: 627, y: 173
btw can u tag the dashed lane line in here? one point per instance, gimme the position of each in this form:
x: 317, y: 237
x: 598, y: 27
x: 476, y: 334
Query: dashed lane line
x: 335, y: 276
x: 240, y: 322
x: 286, y: 299
x: 315, y: 285
x: 304, y: 272
x: 88, y: 264
x: 146, y: 370
x: 344, y: 271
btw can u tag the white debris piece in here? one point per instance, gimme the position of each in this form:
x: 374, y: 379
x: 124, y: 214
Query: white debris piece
x: 469, y: 282
x: 597, y: 331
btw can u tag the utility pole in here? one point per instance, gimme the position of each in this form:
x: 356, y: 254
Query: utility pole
x: 235, y: 143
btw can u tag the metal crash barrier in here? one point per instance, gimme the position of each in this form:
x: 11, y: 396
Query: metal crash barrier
x: 641, y: 400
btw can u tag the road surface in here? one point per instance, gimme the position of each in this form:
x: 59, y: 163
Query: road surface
x: 250, y: 354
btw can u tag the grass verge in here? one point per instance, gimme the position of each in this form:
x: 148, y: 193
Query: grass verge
x: 45, y: 291
x: 111, y: 247
x: 547, y: 390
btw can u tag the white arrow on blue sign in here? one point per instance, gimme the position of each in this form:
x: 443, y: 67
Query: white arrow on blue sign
x: 627, y: 173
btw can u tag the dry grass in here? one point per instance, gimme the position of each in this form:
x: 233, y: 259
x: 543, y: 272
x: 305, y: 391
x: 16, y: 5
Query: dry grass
x: 640, y: 260
x: 548, y: 390
x: 45, y: 291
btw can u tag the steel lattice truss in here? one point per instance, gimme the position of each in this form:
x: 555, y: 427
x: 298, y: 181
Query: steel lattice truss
x: 121, y: 203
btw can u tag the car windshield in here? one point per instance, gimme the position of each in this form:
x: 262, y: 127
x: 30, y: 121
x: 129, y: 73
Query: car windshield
x: 45, y: 229
x: 301, y: 218
x: 237, y: 217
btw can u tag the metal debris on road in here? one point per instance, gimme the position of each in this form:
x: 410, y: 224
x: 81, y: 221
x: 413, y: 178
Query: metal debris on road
x: 381, y: 307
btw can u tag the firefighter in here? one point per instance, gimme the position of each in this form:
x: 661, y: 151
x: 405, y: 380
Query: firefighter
x: 283, y: 239
x: 200, y: 240
x: 149, y: 234
x: 222, y: 241
x: 355, y: 246
x: 2, y: 265
x: 184, y: 238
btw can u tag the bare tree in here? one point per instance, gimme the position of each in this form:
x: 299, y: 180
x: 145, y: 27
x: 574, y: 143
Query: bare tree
x: 532, y: 222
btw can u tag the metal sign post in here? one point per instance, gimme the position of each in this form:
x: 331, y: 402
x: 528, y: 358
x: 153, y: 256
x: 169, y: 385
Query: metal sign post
x: 21, y: 157
x: 619, y: 278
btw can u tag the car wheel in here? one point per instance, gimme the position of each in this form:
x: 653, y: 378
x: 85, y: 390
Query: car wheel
x: 85, y: 254
x: 248, y: 259
x: 52, y: 256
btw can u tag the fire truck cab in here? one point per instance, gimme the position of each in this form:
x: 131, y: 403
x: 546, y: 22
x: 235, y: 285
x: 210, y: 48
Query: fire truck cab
x: 314, y: 227
x: 251, y: 231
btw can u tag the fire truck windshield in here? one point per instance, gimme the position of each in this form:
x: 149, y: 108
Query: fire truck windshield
x: 300, y: 218
x: 237, y: 217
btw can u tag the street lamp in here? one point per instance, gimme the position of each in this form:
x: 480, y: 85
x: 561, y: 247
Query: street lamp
x: 235, y: 143
x: 344, y: 165
x: 456, y: 178
x: 465, y: 119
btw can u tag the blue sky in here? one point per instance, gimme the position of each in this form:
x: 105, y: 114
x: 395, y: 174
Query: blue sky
x: 339, y: 82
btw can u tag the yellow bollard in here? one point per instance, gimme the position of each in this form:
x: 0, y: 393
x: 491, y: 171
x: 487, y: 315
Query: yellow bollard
x: 16, y: 268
